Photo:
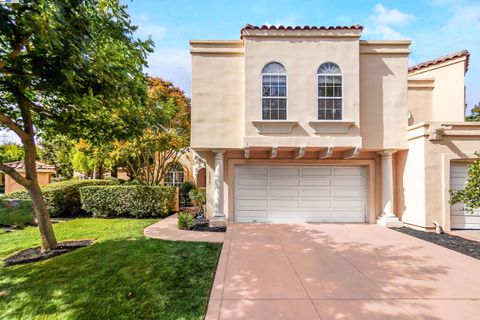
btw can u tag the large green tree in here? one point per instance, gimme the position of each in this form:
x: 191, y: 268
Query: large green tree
x: 167, y: 113
x: 10, y: 152
x: 69, y: 67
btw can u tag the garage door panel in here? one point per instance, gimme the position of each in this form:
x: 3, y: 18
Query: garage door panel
x: 284, y: 172
x: 348, y: 181
x: 244, y: 193
x: 313, y: 172
x: 316, y: 181
x: 315, y: 192
x: 348, y: 171
x: 299, y: 194
x: 347, y: 203
x: 316, y: 203
x: 284, y: 192
x: 347, y: 192
x: 284, y: 182
x: 252, y: 204
x: 281, y: 203
x: 251, y: 171
x: 245, y: 181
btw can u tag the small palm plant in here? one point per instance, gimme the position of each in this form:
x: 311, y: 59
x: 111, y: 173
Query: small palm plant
x: 198, y: 197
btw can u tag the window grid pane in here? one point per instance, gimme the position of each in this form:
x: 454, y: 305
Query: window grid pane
x: 274, y: 102
x: 329, y: 97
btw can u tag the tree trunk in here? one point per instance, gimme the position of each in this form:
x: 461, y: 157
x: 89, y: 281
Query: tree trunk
x: 49, y: 242
x: 114, y: 172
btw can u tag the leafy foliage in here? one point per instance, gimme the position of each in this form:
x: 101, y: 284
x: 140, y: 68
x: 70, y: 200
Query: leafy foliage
x: 198, y: 197
x: 475, y: 114
x: 18, y: 213
x: 63, y: 198
x: 58, y: 151
x: 69, y: 67
x: 185, y: 188
x: 470, y: 194
x: 167, y: 113
x: 11, y: 152
x: 185, y: 221
x: 131, y: 201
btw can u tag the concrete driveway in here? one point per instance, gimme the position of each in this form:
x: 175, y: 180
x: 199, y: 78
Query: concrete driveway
x: 340, y: 271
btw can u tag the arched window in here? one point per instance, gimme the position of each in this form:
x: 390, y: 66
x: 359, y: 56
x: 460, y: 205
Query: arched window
x: 274, y: 92
x: 174, y: 175
x: 329, y: 92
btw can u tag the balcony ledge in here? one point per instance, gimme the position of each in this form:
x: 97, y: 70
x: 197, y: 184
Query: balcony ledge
x: 274, y: 126
x: 330, y: 126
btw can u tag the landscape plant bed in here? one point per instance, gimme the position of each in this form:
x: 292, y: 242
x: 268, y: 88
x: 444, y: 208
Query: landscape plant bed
x: 34, y: 254
x: 204, y: 225
x: 468, y: 247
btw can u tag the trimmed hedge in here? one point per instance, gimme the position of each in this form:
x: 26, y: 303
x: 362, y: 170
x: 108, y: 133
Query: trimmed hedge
x: 63, y: 198
x: 131, y: 201
x: 17, y: 213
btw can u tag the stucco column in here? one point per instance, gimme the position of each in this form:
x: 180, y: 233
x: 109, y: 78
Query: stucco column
x: 387, y: 217
x: 218, y: 217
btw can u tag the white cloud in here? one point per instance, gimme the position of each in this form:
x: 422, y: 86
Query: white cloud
x: 380, y: 24
x: 387, y: 16
x: 172, y: 65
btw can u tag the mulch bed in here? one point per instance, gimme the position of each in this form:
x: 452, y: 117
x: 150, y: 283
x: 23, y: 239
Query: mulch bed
x: 468, y: 247
x: 34, y: 254
x: 203, y: 225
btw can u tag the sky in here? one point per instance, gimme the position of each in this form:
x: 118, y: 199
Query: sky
x: 436, y: 27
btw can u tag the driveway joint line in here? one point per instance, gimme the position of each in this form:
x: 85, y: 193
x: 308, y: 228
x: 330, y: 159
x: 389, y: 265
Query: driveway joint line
x: 301, y: 282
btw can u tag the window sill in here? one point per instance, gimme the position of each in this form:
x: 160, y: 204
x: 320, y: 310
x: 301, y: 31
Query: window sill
x: 274, y: 126
x: 331, y: 126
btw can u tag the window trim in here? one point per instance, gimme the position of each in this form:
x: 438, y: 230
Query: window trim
x: 261, y: 90
x: 342, y: 97
x: 175, y: 172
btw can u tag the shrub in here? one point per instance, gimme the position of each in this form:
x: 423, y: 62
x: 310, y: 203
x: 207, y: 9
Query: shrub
x: 63, y: 198
x: 132, y: 201
x: 17, y: 213
x: 198, y: 197
x: 185, y: 221
x: 185, y: 188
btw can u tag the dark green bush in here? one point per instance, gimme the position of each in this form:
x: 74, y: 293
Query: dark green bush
x: 184, y: 189
x: 63, y: 198
x: 185, y: 221
x: 131, y: 201
x: 17, y: 213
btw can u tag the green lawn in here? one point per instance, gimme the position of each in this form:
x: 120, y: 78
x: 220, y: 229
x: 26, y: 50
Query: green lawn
x: 121, y: 276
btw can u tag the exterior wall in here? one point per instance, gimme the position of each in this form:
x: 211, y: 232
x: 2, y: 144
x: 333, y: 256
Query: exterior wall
x: 217, y: 94
x: 420, y: 100
x: 301, y: 58
x: 11, y: 185
x: 383, y: 94
x: 448, y: 95
x: 427, y: 173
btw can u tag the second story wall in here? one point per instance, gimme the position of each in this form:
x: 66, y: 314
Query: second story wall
x: 383, y: 94
x: 447, y: 92
x: 217, y: 94
x: 301, y: 53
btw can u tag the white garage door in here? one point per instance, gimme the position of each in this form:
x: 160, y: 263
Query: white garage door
x: 459, y: 218
x: 299, y: 194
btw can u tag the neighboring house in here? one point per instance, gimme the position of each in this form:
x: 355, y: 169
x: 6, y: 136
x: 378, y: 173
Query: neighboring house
x: 312, y: 124
x: 44, y: 175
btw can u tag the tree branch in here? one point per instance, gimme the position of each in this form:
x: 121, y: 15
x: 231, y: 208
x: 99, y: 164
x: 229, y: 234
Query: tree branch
x: 9, y: 123
x: 15, y: 52
x: 15, y: 175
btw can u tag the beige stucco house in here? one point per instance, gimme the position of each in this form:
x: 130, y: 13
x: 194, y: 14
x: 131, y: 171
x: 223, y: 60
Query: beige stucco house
x: 313, y: 124
x: 45, y: 173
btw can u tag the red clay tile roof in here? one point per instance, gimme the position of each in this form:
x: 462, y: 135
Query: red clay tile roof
x: 463, y: 53
x: 281, y: 27
x: 21, y: 165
